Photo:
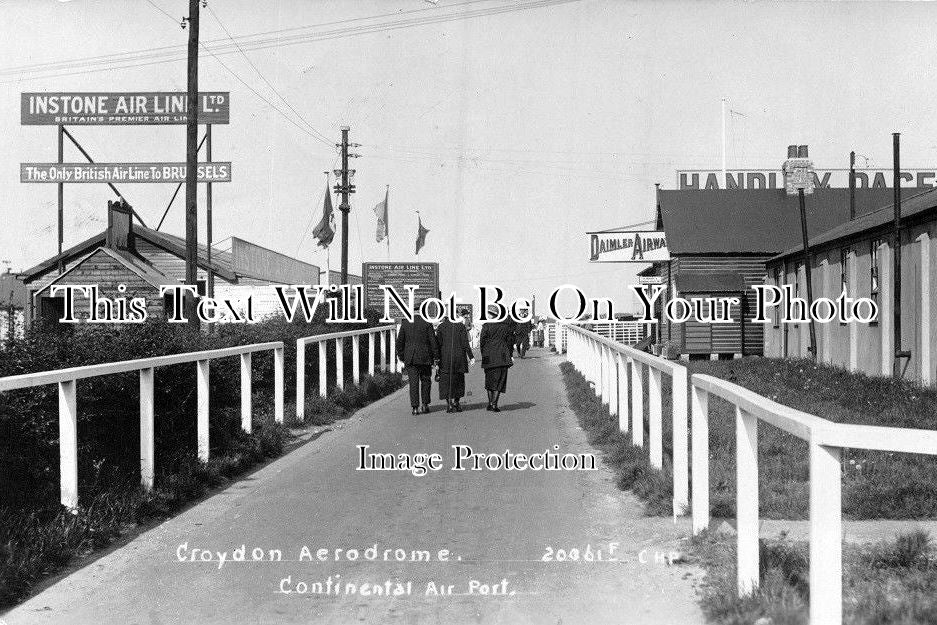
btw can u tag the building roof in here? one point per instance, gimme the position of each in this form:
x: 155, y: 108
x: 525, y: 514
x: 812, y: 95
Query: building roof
x: 910, y: 207
x: 221, y: 263
x: 710, y: 282
x: 754, y: 221
x: 132, y: 263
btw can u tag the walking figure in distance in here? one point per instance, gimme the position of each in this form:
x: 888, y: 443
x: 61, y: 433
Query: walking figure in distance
x: 522, y: 337
x: 418, y: 350
x: 496, y: 344
x: 455, y: 356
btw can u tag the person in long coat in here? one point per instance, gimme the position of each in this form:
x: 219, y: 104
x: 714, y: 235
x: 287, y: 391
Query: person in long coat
x: 455, y: 355
x: 496, y: 344
x: 522, y: 337
x: 418, y: 350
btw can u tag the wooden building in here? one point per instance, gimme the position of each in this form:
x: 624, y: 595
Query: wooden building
x: 128, y: 260
x: 719, y: 242
x: 857, y: 257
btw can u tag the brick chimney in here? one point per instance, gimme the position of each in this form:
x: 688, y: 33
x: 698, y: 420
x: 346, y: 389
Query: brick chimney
x: 119, y: 226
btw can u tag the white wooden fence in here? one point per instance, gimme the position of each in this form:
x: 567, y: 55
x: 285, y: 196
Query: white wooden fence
x: 603, y: 362
x: 67, y: 379
x: 386, y: 358
x: 625, y: 332
x: 826, y: 440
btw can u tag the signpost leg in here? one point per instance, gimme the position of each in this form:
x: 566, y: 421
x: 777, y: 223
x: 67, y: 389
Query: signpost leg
x: 61, y: 264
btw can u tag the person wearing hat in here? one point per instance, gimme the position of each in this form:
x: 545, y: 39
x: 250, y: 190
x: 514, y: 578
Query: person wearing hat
x: 496, y: 344
x: 418, y: 350
x: 522, y: 337
x: 455, y: 356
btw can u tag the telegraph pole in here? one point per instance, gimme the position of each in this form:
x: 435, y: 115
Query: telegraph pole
x: 345, y: 188
x: 191, y: 153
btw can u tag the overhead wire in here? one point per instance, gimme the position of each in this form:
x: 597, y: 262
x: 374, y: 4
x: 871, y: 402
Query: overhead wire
x: 322, y: 136
x: 175, y: 54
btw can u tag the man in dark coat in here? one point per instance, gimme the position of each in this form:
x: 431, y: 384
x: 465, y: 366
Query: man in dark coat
x: 454, y: 356
x: 496, y: 344
x: 522, y: 337
x: 418, y: 350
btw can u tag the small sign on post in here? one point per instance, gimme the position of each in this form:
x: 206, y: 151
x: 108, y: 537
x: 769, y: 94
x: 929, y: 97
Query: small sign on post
x: 798, y: 171
x: 798, y: 180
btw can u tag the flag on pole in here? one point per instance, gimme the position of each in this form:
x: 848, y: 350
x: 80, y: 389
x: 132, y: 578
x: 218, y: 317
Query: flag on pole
x: 421, y: 233
x: 325, y: 230
x: 380, y: 209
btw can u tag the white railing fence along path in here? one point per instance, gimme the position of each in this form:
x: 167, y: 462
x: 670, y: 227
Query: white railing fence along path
x: 826, y: 440
x: 67, y: 379
x: 606, y: 363
x: 382, y: 352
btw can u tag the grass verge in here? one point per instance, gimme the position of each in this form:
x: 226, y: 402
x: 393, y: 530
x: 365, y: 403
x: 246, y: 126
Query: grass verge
x: 37, y: 543
x: 893, y: 582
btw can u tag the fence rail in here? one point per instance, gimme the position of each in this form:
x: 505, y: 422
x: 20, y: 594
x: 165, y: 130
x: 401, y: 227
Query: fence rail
x: 602, y: 361
x: 606, y: 363
x: 825, y: 440
x: 387, y: 359
x: 67, y: 379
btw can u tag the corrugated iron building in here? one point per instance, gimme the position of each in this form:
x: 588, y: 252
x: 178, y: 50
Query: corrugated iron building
x: 719, y: 242
x: 858, y: 256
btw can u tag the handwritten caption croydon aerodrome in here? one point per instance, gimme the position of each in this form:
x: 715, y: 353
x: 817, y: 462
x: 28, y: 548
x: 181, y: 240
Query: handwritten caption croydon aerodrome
x: 333, y: 584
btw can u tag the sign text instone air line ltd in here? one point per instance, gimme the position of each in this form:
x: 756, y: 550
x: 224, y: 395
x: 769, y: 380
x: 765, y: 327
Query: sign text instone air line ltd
x: 120, y: 108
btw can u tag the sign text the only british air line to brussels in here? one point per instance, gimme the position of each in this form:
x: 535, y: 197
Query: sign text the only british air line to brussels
x: 120, y: 108
x: 219, y: 171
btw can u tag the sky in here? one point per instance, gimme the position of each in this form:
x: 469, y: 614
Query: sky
x: 512, y: 129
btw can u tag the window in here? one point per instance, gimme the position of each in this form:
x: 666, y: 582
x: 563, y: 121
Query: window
x: 798, y: 267
x: 777, y: 283
x: 844, y: 269
x: 874, y: 272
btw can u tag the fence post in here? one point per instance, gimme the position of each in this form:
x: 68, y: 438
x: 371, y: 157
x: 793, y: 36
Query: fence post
x: 681, y: 469
x: 623, y: 413
x: 655, y: 417
x: 611, y: 364
x: 278, y: 366
x: 601, y: 390
x: 300, y: 380
x: 746, y: 480
x: 826, y: 535
x: 340, y: 363
x: 323, y: 370
x: 383, y: 350
x: 637, y: 403
x: 371, y: 354
x: 246, y: 392
x: 147, y: 451
x: 700, y: 471
x: 202, y: 419
x: 356, y: 358
x: 393, y: 349
x: 68, y: 444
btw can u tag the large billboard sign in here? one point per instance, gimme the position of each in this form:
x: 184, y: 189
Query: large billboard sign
x: 121, y: 172
x: 120, y: 108
x: 397, y: 275
x: 641, y: 246
x: 823, y: 178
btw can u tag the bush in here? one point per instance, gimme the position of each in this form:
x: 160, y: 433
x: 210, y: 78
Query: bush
x: 37, y: 536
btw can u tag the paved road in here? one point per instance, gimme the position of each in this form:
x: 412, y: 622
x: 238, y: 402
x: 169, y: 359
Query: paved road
x: 497, y: 526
